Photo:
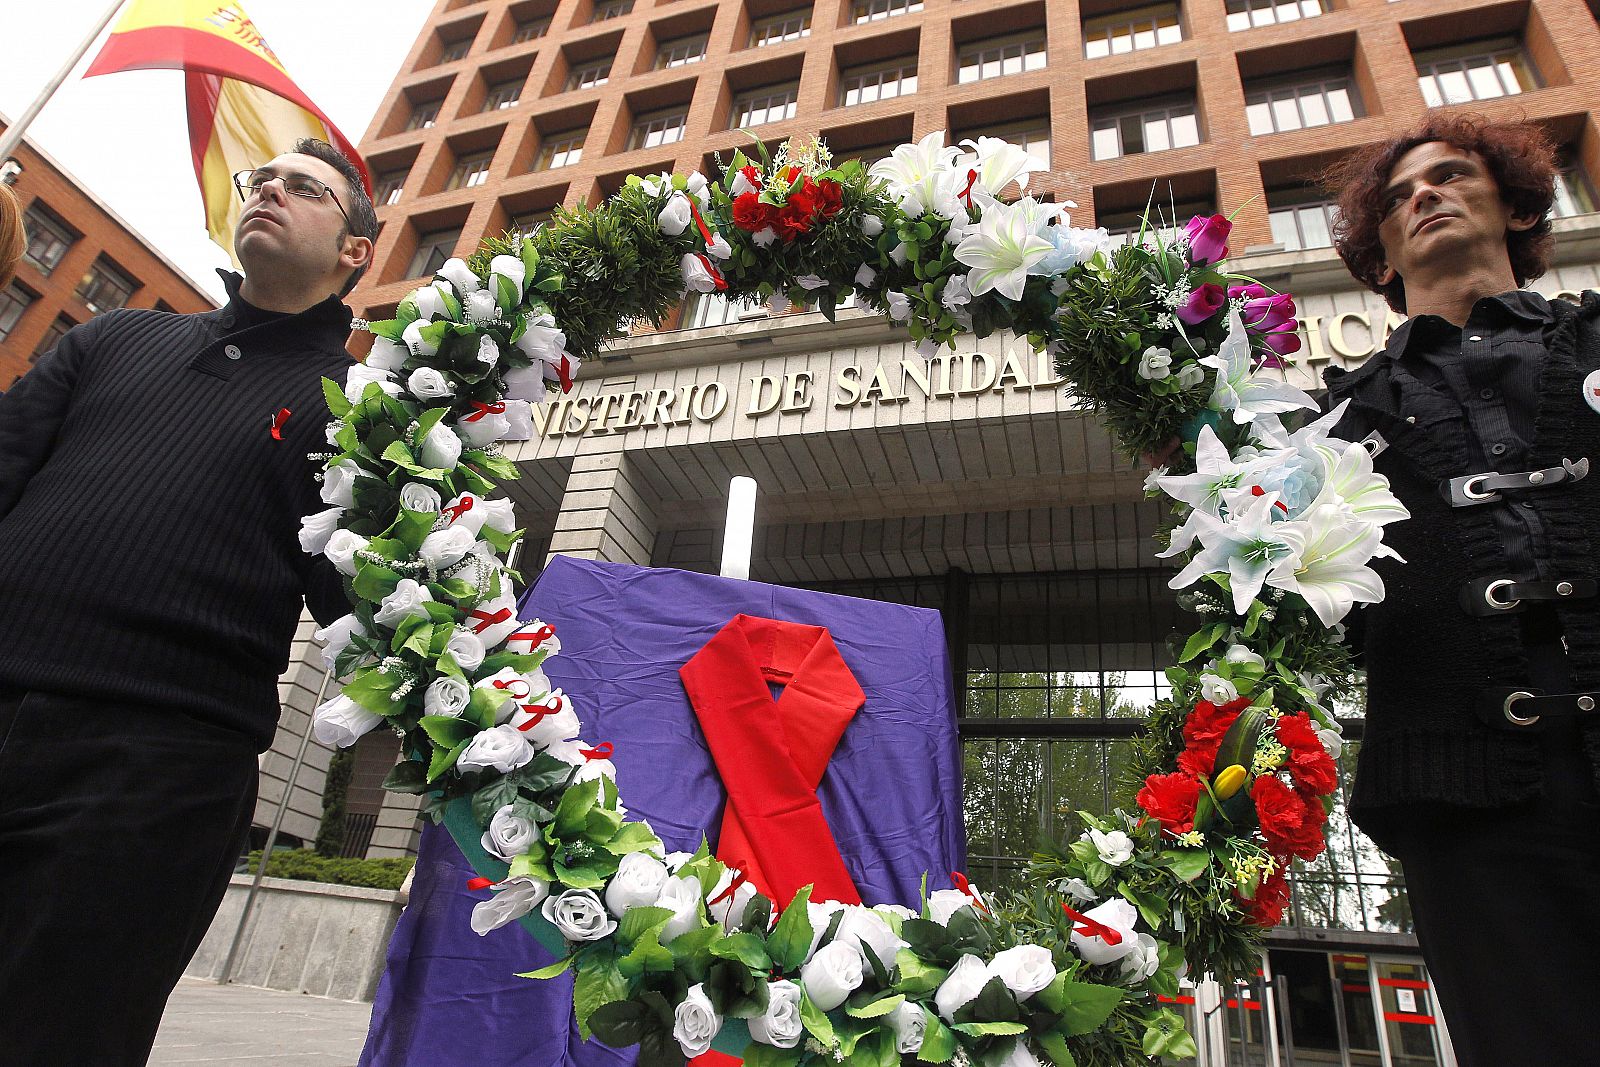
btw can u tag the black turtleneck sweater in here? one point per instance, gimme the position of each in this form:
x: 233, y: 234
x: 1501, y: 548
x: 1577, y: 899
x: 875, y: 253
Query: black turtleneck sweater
x: 149, y: 520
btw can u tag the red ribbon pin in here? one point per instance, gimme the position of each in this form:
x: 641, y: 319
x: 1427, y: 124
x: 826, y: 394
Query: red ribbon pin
x: 476, y: 884
x: 486, y: 620
x: 455, y: 511
x: 601, y: 751
x: 959, y: 880
x: 480, y: 409
x: 277, y: 423
x: 535, y: 638
x: 1091, y: 928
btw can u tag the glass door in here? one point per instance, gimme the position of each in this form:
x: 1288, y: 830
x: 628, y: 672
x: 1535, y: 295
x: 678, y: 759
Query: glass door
x: 1413, y: 1029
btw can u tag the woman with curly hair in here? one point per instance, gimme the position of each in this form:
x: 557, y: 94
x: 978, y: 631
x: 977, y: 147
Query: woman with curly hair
x: 1478, y: 764
x: 13, y: 238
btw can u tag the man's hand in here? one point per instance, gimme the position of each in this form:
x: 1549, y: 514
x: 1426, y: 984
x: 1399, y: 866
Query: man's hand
x: 1159, y: 457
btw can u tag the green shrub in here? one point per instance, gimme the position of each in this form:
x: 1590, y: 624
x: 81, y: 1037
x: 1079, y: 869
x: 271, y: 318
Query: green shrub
x: 307, y: 866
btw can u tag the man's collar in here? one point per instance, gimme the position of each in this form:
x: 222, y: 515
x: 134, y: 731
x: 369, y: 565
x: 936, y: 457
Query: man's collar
x: 1522, y: 304
x: 330, y: 313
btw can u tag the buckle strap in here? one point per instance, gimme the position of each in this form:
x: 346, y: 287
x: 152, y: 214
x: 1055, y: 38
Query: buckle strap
x: 1472, y: 489
x: 1483, y: 597
x: 1522, y: 709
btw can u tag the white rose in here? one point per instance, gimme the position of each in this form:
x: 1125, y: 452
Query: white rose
x: 406, y: 600
x: 551, y: 728
x: 676, y: 860
x: 480, y: 307
x: 488, y: 350
x: 578, y: 915
x: 811, y: 281
x: 675, y: 215
x: 867, y: 931
x: 1114, y: 848
x: 510, y: 268
x: 909, y: 1022
x: 1020, y: 1056
x: 899, y: 306
x: 335, y: 637
x: 446, y: 695
x: 541, y: 340
x: 341, y: 550
x: 465, y: 511
x: 466, y: 649
x: 316, y: 529
x: 764, y: 236
x: 866, y: 276
x: 1155, y: 363
x: 1025, y: 969
x: 509, y: 835
x: 1143, y: 961
x: 525, y: 383
x: 341, y: 721
x: 695, y: 1023
x: 460, y: 276
x: 832, y: 974
x: 387, y: 355
x: 944, y: 903
x: 1332, y: 742
x: 819, y: 913
x: 419, y: 345
x: 729, y: 910
x: 513, y: 899
x: 899, y: 253
x: 871, y: 225
x: 509, y: 688
x: 415, y: 496
x: 441, y: 449
x: 446, y: 547
x: 718, y: 247
x: 1190, y: 375
x: 427, y: 383
x: 1241, y: 656
x: 695, y: 185
x: 741, y: 185
x: 492, y: 635
x: 499, y: 748
x: 498, y: 514
x: 965, y: 981
x: 681, y: 896
x: 338, y: 483
x: 430, y: 305
x: 1216, y: 689
x: 698, y: 274
x: 489, y: 428
x: 779, y: 1026
x: 1116, y: 914
x: 637, y: 883
x: 360, y: 376
x: 1078, y: 889
x: 519, y: 421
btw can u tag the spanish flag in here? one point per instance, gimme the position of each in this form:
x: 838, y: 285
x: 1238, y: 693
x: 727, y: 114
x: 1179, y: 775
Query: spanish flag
x: 243, y: 107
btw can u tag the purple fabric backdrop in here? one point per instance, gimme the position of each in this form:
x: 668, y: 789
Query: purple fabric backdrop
x: 892, y: 794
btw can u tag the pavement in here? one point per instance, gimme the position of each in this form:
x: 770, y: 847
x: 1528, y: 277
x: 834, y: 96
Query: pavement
x: 206, y: 1023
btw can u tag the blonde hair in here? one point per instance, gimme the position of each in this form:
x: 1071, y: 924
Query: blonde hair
x: 13, y: 238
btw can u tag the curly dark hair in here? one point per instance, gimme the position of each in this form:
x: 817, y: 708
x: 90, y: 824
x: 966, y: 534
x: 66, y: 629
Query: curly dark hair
x: 1520, y: 156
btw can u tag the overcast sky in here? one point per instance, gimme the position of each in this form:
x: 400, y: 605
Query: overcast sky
x: 124, y: 136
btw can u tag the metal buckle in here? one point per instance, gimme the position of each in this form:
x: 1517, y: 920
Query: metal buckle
x: 1513, y: 717
x: 1495, y: 602
x: 1471, y: 493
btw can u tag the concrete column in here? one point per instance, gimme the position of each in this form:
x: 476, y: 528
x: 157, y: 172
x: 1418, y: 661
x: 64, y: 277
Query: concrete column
x: 297, y: 697
x: 606, y: 514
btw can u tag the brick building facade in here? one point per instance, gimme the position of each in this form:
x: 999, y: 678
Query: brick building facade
x: 82, y: 259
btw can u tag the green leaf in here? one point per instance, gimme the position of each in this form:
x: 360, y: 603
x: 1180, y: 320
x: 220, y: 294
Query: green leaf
x: 938, y: 1040
x: 1082, y: 1006
x: 1055, y: 1046
x: 917, y: 976
x: 407, y: 776
x: 878, y: 1008
x: 373, y: 690
x: 447, y: 730
x: 632, y: 837
x: 636, y: 921
x: 549, y: 971
x: 747, y: 949
x: 1201, y: 640
x: 599, y: 983
x: 1165, y: 1036
x: 648, y: 955
x: 816, y: 1021
x: 1187, y: 863
x: 991, y: 1029
x: 759, y: 1055
x: 373, y: 582
x: 791, y: 938
x: 491, y: 798
x: 338, y: 404
x: 398, y: 454
x: 443, y: 760
x: 623, y: 1022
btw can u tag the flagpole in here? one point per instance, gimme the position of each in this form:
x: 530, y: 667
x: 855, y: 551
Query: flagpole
x: 13, y: 134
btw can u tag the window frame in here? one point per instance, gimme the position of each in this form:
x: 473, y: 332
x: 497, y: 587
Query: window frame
x: 494, y: 98
x: 865, y: 11
x: 1497, y: 51
x: 101, y: 277
x: 741, y: 110
x: 591, y: 75
x: 424, y: 115
x: 562, y: 144
x: 1244, y: 15
x: 762, y: 33
x: 1103, y: 30
x: 15, y: 300
x: 975, y: 55
x: 1268, y: 95
x: 665, y: 60
x: 639, y: 132
x: 1169, y: 107
x: 904, y: 70
x: 38, y: 219
x: 441, y: 243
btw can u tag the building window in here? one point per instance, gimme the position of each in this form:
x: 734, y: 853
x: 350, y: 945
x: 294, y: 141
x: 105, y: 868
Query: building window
x: 13, y: 302
x: 867, y: 85
x: 388, y: 187
x: 873, y: 10
x: 433, y: 249
x: 1128, y: 31
x: 1032, y: 136
x: 1482, y: 70
x: 1144, y: 129
x: 531, y: 29
x: 424, y: 115
x: 560, y: 150
x: 589, y: 75
x: 1299, y: 223
x: 714, y: 309
x: 1163, y: 211
x: 1243, y: 14
x: 502, y: 95
x: 1573, y: 193
x: 611, y: 9
x: 531, y: 223
x: 1306, y: 101
x: 1001, y: 56
x: 682, y: 50
x: 470, y: 171
x: 658, y: 128
x: 454, y: 50
x: 58, y: 329
x: 104, y: 287
x: 48, y: 237
x: 786, y: 26
x: 772, y: 103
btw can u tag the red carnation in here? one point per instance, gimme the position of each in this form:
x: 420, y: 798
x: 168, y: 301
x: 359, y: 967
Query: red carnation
x: 1291, y: 822
x: 752, y: 174
x: 751, y: 215
x: 798, y: 211
x: 1309, y: 764
x: 1170, y: 799
x: 1203, y: 731
x: 831, y: 197
x: 1272, y: 896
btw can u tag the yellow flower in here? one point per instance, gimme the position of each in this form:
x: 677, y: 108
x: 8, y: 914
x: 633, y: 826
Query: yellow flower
x: 1228, y: 782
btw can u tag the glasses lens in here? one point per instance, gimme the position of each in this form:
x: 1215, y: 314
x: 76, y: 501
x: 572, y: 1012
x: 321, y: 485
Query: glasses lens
x: 303, y: 186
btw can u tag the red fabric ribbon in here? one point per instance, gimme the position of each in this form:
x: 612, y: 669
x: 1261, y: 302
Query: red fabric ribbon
x: 705, y: 231
x: 511, y: 684
x: 959, y: 880
x: 480, y: 409
x: 564, y: 372
x: 486, y: 620
x: 966, y: 194
x: 455, y: 511
x: 1091, y: 928
x: 772, y: 754
x: 277, y: 423
x: 535, y: 638
x: 601, y: 751
x: 476, y: 884
x: 716, y: 275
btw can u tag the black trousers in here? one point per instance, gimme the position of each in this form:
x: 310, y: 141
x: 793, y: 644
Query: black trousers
x: 119, y: 828
x: 1507, y: 907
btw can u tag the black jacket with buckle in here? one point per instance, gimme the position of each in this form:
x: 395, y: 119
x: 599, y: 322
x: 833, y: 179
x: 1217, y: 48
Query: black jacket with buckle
x: 1429, y: 662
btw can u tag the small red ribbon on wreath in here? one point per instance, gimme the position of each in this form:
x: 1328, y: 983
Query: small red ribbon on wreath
x: 476, y: 884
x: 486, y: 620
x: 480, y: 409
x: 455, y: 511
x: 601, y: 751
x: 959, y: 880
x: 1091, y: 928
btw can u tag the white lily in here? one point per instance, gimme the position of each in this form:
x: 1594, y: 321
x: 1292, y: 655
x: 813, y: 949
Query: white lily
x: 1352, y: 484
x: 1001, y: 251
x: 913, y: 172
x: 1215, y: 472
x: 1327, y: 562
x: 1247, y: 546
x: 1239, y: 389
x: 998, y: 163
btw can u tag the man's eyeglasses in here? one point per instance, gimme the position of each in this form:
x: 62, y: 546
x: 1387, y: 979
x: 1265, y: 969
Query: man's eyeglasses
x: 249, y: 183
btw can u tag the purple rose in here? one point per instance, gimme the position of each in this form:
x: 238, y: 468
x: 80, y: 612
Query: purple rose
x: 1283, y: 339
x: 1203, y: 303
x: 1264, y: 310
x: 1208, y: 238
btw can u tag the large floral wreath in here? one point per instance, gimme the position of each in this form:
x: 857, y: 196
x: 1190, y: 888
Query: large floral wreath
x: 1233, y: 778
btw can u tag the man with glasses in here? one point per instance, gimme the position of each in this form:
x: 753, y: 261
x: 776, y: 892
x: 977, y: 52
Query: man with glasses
x: 153, y: 471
